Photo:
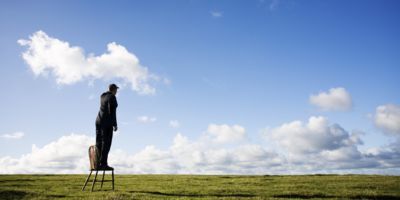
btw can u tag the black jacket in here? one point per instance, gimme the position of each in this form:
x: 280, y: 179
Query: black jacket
x: 108, y: 107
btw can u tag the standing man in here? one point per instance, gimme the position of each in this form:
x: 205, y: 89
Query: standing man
x: 106, y: 122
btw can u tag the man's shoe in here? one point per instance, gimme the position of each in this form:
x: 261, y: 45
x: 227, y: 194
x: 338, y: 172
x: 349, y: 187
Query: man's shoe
x: 104, y: 167
x: 107, y: 168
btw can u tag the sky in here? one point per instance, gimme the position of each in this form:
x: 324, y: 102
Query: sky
x: 206, y: 87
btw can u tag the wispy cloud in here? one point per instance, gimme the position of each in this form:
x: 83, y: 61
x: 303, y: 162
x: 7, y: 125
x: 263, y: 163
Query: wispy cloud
x: 271, y: 5
x: 146, y: 119
x: 216, y: 14
x: 16, y: 135
x: 274, y: 4
x: 174, y: 123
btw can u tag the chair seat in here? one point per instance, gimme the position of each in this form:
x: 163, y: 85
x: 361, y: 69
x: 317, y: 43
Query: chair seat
x: 102, y: 169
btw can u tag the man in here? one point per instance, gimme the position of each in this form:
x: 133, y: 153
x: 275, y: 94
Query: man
x: 106, y: 121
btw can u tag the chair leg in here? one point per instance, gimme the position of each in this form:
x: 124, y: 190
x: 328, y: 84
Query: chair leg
x: 112, y: 178
x: 94, y: 180
x: 87, y: 179
x: 102, y: 180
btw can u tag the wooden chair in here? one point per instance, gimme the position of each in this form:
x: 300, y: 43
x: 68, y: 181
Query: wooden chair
x: 94, y: 158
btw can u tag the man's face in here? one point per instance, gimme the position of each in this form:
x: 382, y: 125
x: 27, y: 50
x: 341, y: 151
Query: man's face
x: 114, y: 92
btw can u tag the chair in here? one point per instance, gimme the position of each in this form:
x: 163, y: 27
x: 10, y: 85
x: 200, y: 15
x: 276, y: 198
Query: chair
x: 94, y: 158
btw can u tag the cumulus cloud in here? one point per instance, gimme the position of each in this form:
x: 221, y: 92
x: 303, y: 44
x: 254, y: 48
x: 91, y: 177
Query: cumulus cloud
x: 16, y: 135
x: 314, y: 136
x: 336, y: 99
x: 225, y: 133
x: 174, y: 123
x: 387, y: 118
x: 388, y: 155
x: 69, y: 64
x: 146, y: 119
x: 319, y: 146
x: 337, y: 153
x: 67, y: 154
x: 202, y: 157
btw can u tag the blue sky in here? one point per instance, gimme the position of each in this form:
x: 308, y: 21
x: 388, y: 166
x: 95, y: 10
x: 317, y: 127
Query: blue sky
x: 249, y: 63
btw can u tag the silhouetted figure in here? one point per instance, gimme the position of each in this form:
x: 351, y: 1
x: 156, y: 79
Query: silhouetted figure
x: 106, y: 121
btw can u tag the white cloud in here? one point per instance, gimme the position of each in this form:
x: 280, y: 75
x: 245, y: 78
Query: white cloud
x: 146, y: 119
x: 68, y: 154
x: 347, y: 154
x: 174, y: 123
x: 337, y: 154
x: 216, y: 14
x: 387, y: 117
x: 320, y: 147
x: 388, y: 155
x: 315, y: 136
x: 16, y: 135
x: 225, y: 133
x: 69, y: 64
x: 335, y: 99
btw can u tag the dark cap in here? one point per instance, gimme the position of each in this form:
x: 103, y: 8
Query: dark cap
x: 112, y: 87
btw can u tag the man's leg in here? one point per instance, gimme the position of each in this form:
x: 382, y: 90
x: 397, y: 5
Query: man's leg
x: 107, y: 139
x: 99, y: 143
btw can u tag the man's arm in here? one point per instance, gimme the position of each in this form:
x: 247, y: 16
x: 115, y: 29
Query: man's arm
x: 113, y: 111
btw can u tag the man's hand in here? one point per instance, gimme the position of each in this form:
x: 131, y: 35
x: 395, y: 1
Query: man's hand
x: 115, y: 128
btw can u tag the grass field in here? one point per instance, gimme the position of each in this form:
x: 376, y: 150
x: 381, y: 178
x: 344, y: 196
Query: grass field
x: 203, y: 187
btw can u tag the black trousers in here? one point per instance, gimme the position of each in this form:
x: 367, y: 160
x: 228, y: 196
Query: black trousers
x: 103, y: 143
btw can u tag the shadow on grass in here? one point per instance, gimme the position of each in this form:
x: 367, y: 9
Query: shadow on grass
x: 226, y: 177
x: 194, y: 195
x: 322, y: 196
x: 17, y: 185
x: 55, y: 196
x: 381, y: 197
x: 12, y: 194
x: 303, y: 196
x: 16, y: 180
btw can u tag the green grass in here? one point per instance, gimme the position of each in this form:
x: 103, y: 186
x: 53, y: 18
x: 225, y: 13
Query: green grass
x: 202, y: 187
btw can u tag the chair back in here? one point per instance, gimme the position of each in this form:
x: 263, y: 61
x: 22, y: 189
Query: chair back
x: 93, y: 156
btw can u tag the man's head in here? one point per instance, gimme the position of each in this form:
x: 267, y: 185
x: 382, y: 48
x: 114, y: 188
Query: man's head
x: 113, y: 88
